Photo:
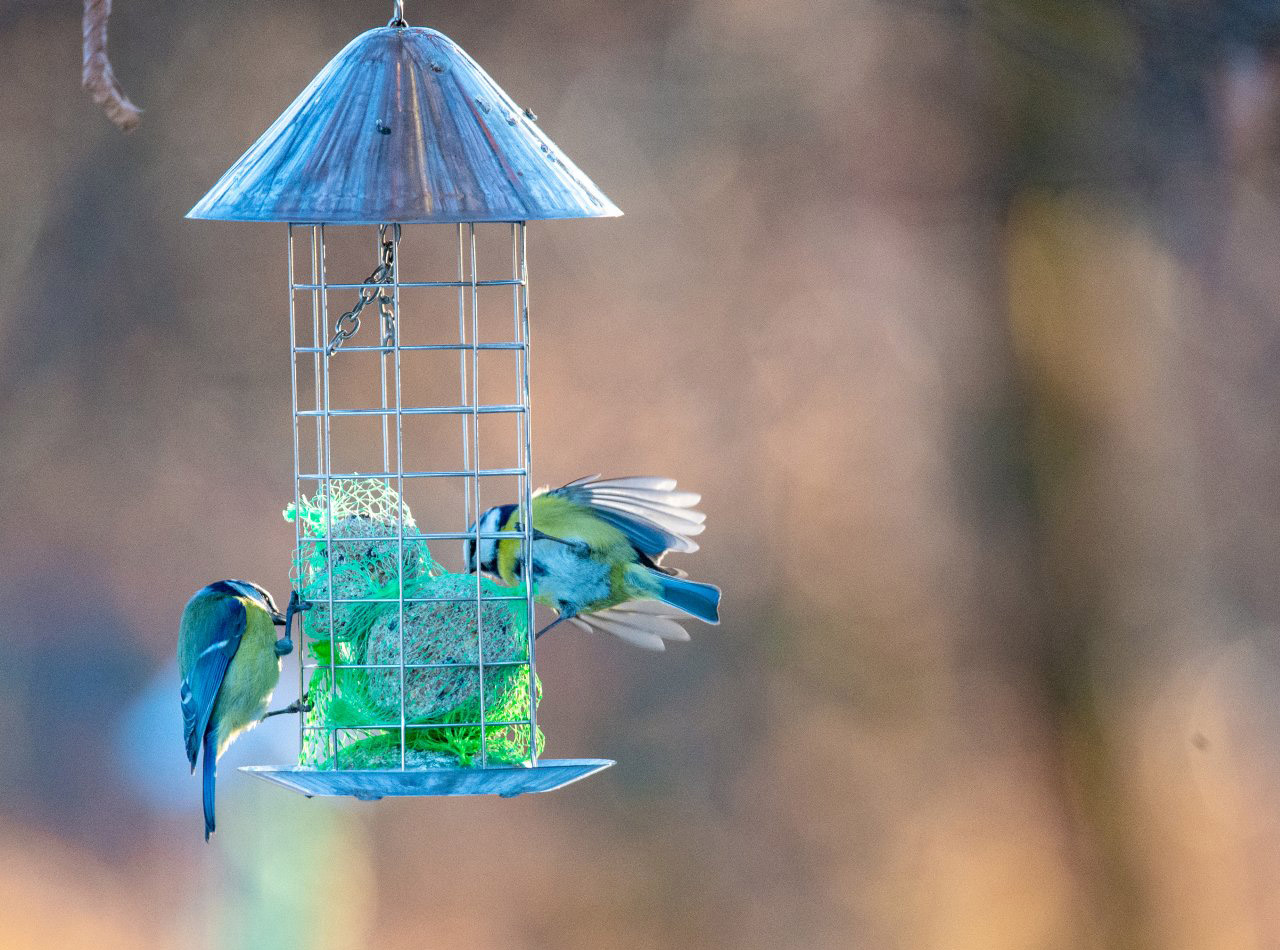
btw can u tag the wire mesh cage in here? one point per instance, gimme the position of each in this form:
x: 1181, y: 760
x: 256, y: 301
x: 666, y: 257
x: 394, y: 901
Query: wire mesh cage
x: 406, y: 178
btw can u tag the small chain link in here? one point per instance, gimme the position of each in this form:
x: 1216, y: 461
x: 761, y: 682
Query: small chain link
x: 388, y: 320
x: 348, y: 325
x: 385, y: 304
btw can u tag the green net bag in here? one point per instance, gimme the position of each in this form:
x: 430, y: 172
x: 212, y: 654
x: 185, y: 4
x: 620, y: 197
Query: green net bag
x: 358, y: 691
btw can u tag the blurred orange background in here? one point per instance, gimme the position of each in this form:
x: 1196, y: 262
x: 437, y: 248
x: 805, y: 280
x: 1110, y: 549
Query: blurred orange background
x: 961, y: 316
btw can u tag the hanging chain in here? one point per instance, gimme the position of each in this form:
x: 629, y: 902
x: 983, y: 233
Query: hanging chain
x: 348, y: 325
x: 388, y: 312
x: 386, y: 306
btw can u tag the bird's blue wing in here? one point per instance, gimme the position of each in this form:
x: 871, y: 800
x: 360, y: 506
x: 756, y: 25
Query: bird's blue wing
x: 654, y: 516
x: 225, y: 625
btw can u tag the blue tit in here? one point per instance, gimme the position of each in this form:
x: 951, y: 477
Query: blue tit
x: 229, y: 660
x: 597, y: 556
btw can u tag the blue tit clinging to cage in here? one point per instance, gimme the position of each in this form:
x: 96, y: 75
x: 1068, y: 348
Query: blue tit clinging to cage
x: 597, y: 556
x: 229, y: 660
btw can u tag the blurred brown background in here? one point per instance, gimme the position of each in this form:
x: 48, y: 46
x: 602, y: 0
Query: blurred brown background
x: 962, y: 316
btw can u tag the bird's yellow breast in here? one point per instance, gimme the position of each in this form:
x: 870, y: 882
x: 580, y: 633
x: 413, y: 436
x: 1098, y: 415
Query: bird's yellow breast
x: 251, y: 677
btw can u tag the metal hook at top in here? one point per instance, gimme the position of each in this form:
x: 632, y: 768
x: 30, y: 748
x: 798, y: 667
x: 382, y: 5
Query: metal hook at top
x: 397, y: 14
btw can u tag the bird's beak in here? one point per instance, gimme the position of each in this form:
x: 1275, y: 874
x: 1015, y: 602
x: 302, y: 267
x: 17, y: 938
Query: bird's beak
x: 278, y: 618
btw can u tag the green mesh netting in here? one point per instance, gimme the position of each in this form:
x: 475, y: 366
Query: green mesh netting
x: 354, y: 722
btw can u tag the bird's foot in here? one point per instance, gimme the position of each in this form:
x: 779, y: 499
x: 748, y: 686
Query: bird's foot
x: 284, y: 646
x: 561, y: 619
x: 297, y: 706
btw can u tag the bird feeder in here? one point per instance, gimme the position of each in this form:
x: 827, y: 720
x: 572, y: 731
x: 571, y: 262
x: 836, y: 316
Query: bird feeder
x: 407, y: 179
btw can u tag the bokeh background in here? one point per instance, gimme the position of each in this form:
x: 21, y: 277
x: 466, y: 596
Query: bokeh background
x: 962, y: 316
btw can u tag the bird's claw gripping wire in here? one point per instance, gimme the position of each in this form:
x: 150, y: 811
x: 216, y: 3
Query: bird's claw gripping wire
x: 297, y: 706
x: 284, y: 646
x: 559, y: 620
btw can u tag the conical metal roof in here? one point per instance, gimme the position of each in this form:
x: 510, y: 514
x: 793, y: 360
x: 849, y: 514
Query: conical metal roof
x: 403, y: 126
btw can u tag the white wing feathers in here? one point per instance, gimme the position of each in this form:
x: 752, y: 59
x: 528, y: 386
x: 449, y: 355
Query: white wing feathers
x: 644, y: 623
x: 648, y: 510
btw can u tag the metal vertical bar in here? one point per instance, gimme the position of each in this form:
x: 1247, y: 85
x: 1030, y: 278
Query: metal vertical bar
x: 468, y: 516
x: 395, y: 309
x: 382, y: 366
x: 315, y: 341
x: 526, y: 492
x: 475, y: 477
x: 316, y: 338
x: 327, y: 471
x: 521, y: 462
x: 296, y: 584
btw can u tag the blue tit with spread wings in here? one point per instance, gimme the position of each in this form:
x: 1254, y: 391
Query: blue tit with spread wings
x: 597, y: 556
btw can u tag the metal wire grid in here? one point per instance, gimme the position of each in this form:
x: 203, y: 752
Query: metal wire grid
x: 392, y: 408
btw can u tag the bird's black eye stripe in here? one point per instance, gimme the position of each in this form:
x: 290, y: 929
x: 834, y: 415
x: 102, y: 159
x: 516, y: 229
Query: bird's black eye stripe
x: 504, y: 515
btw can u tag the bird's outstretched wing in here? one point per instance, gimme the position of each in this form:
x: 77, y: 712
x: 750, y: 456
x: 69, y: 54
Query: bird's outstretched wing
x: 648, y: 624
x: 199, y: 690
x: 654, y: 516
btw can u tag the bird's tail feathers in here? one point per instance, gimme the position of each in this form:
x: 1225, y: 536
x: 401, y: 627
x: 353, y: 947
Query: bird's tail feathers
x: 695, y: 599
x: 210, y: 777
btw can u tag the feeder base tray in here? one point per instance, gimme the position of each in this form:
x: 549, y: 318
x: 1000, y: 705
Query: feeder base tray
x: 506, y: 781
